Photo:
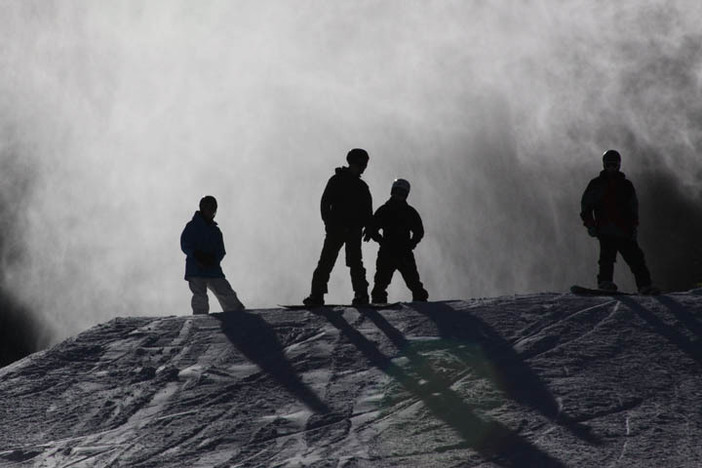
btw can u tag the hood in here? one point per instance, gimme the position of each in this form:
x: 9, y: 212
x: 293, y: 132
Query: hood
x: 345, y: 172
x: 198, y: 218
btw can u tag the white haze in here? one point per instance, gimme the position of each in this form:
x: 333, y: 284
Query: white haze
x: 116, y: 117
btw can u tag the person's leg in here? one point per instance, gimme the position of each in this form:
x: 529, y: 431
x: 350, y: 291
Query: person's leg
x: 354, y: 260
x: 384, y: 269
x: 199, y: 301
x: 634, y: 257
x: 224, y: 293
x: 608, y: 256
x: 330, y: 251
x: 408, y: 268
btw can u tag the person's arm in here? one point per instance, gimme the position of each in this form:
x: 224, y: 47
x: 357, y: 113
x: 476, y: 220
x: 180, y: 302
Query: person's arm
x: 186, y: 241
x: 373, y: 227
x: 219, y: 252
x: 367, y: 207
x: 587, y: 206
x: 327, y: 201
x: 417, y: 230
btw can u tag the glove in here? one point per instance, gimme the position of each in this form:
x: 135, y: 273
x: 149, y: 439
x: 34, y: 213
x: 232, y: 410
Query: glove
x: 592, y: 230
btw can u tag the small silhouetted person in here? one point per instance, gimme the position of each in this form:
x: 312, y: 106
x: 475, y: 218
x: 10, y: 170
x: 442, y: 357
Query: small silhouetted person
x: 402, y: 230
x: 203, y: 245
x: 610, y: 212
x: 346, y: 208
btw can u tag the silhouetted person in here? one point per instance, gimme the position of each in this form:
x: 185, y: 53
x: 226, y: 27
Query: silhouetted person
x: 203, y: 245
x: 346, y: 208
x: 610, y: 211
x: 402, y: 230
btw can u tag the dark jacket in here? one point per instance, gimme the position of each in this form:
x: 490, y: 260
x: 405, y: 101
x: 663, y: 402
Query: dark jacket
x: 203, y: 245
x: 401, y: 225
x: 609, y: 204
x: 346, y: 201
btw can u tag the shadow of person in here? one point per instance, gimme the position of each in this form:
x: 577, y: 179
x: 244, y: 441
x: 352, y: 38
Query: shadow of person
x: 489, y: 438
x: 685, y: 317
x: 692, y: 348
x: 499, y: 362
x: 257, y: 340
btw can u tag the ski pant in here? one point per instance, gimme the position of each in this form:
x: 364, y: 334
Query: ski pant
x: 390, y: 260
x: 632, y: 254
x: 334, y: 240
x: 220, y: 287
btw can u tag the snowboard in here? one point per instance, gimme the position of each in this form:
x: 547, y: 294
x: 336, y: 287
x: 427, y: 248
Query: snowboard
x: 390, y: 305
x: 583, y: 291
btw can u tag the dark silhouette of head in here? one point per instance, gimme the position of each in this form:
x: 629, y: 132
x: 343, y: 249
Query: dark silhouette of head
x: 400, y: 189
x: 358, y: 160
x: 208, y: 207
x: 611, y: 160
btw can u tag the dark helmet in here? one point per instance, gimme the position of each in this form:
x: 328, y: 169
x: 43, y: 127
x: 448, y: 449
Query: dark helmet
x: 357, y: 156
x: 611, y: 157
x: 401, y: 187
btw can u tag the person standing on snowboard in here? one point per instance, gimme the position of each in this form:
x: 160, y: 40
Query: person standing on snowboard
x: 346, y: 208
x: 610, y: 212
x: 402, y: 231
x: 203, y: 245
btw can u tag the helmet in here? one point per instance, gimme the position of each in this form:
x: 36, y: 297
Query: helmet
x: 400, y: 186
x: 611, y: 156
x: 357, y: 156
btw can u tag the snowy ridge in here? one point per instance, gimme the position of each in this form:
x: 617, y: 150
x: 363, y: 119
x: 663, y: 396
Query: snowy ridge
x: 545, y: 380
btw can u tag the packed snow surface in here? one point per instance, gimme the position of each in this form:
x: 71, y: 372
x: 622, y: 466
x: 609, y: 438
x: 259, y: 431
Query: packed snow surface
x: 547, y: 380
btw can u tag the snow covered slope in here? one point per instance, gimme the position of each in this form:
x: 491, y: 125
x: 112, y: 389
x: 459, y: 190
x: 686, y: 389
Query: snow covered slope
x: 542, y: 380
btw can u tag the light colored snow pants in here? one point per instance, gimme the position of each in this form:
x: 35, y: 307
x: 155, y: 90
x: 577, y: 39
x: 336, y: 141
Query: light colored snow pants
x: 222, y: 290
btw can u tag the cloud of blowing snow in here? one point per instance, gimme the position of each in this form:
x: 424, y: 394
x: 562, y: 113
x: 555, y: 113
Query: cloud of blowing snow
x: 129, y: 112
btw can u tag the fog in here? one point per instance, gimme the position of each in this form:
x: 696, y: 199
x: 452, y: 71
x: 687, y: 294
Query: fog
x: 116, y: 117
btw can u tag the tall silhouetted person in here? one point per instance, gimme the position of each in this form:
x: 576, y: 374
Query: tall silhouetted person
x: 346, y: 208
x: 610, y: 211
x: 402, y: 230
x: 203, y: 245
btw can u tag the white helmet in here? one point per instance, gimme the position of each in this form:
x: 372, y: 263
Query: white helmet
x: 400, y: 186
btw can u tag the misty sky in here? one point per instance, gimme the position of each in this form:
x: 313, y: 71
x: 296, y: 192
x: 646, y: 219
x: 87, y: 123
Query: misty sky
x: 116, y: 117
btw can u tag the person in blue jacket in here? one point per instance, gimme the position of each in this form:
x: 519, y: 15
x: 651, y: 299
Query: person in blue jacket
x: 203, y: 245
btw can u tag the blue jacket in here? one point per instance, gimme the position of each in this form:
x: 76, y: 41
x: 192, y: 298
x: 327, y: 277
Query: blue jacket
x: 203, y: 245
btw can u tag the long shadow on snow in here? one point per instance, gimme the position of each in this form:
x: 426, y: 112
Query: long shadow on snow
x: 257, y: 340
x: 497, y: 361
x: 693, y: 349
x: 686, y: 317
x: 490, y: 439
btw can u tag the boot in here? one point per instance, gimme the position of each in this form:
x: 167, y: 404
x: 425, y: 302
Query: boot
x: 360, y: 299
x: 379, y: 299
x: 607, y: 286
x: 313, y: 300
